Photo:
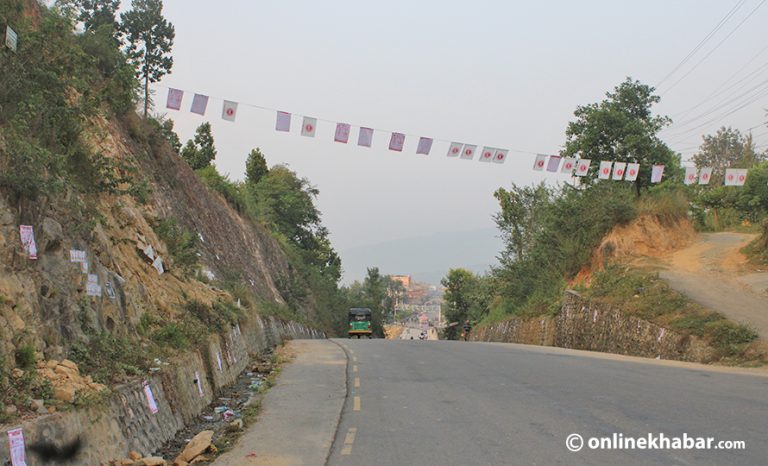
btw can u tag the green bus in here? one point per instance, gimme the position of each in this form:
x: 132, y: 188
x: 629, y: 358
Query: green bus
x: 360, y: 322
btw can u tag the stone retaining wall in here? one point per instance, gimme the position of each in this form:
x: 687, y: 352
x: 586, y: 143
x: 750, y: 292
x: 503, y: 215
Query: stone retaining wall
x: 125, y: 422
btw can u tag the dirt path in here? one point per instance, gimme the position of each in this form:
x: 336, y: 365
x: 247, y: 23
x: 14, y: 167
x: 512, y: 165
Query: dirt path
x: 713, y: 272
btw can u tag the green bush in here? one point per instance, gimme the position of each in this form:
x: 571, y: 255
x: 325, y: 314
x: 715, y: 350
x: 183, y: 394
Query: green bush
x: 171, y: 335
x: 108, y: 358
x: 182, y: 244
x: 25, y: 357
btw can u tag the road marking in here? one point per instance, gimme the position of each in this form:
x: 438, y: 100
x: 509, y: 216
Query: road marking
x: 354, y: 368
x: 349, y: 440
x: 356, y: 406
x: 354, y: 358
x: 357, y: 382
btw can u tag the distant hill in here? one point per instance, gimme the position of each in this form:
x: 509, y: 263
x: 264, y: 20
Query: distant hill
x: 425, y: 258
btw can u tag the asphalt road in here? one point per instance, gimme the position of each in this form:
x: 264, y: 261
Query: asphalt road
x: 456, y: 403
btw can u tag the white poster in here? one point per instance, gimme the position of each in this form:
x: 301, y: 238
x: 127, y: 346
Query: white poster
x: 657, y: 173
x: 92, y: 287
x: 396, y: 142
x: 27, y: 234
x: 308, y: 127
x: 16, y: 444
x: 150, y: 398
x: 11, y: 38
x: 365, y: 137
x: 425, y: 145
x: 540, y: 162
x: 605, y: 170
x: 218, y: 360
x: 283, y: 122
x: 229, y: 110
x: 582, y: 167
x: 76, y: 255
x: 500, y: 156
x: 342, y: 133
x: 486, y: 155
x: 632, y: 171
x: 199, y: 104
x: 569, y: 163
x: 174, y: 99
x: 705, y: 174
x: 199, y: 384
x: 455, y: 149
x: 158, y: 265
x: 554, y: 163
x: 691, y: 175
x: 619, y: 168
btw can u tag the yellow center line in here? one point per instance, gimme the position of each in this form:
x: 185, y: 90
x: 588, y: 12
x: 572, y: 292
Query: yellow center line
x: 357, y: 382
x: 349, y: 440
x: 354, y: 358
x: 356, y: 406
x: 354, y: 368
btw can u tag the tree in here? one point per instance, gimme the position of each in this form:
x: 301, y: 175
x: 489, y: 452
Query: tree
x: 200, y: 152
x: 255, y: 167
x: 460, y: 288
x: 166, y: 129
x: 92, y: 13
x: 622, y: 128
x: 520, y: 217
x: 726, y: 149
x: 149, y: 40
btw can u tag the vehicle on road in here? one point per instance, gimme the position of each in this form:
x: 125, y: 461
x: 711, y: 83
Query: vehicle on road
x: 360, y: 322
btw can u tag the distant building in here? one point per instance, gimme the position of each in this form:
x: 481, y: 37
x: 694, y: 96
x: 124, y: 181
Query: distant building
x: 404, y: 279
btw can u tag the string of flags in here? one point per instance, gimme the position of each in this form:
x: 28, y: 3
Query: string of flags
x: 574, y: 166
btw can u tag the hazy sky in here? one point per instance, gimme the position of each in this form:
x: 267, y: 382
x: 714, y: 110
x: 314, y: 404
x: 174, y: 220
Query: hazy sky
x: 503, y: 74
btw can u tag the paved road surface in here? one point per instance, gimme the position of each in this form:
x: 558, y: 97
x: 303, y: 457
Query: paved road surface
x: 456, y: 403
x: 709, y: 272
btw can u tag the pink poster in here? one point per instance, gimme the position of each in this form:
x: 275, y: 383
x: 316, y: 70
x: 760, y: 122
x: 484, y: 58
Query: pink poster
x: 199, y: 104
x: 150, y: 398
x: 425, y: 145
x: 174, y: 99
x: 397, y: 141
x: 27, y: 234
x: 16, y: 443
x: 342, y: 133
x: 365, y: 138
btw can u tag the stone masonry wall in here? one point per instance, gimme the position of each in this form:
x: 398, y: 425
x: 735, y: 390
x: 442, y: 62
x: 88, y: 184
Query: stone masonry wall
x: 125, y: 422
x: 582, y: 324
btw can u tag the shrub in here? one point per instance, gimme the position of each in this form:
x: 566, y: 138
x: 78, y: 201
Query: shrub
x: 182, y: 243
x: 25, y: 357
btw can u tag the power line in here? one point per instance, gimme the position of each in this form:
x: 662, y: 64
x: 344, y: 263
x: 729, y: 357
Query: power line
x: 716, y: 46
x: 701, y: 43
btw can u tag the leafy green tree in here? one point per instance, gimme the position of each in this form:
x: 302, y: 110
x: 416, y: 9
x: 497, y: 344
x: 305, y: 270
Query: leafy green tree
x: 520, y: 217
x: 166, y: 129
x: 622, y: 128
x: 200, y: 152
x: 92, y: 13
x: 461, y: 285
x: 149, y: 40
x: 255, y: 167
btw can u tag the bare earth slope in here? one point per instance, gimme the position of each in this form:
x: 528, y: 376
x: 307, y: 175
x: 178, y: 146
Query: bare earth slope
x: 713, y: 272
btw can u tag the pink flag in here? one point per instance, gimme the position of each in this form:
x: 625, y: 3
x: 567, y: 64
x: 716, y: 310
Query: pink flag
x: 691, y: 175
x: 468, y: 151
x: 538, y: 164
x: 365, y: 138
x: 27, y: 234
x: 486, y: 155
x: 174, y: 99
x: 425, y: 145
x: 705, y: 175
x: 657, y: 173
x: 283, y: 121
x: 342, y: 133
x: 455, y: 149
x: 569, y: 163
x: 500, y: 156
x: 582, y: 167
x: 396, y: 142
x: 605, y: 170
x: 308, y: 127
x: 554, y: 163
x: 633, y: 169
x: 199, y: 104
x: 229, y: 110
x: 619, y: 168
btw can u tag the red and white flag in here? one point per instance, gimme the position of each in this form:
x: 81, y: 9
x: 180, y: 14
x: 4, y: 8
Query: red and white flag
x: 735, y: 176
x: 308, y: 127
x: 468, y: 151
x: 174, y: 99
x: 657, y: 173
x: 283, y: 122
x: 582, y: 167
x: 605, y: 170
x: 619, y: 168
x: 229, y: 110
x: 569, y: 163
x: 27, y: 234
x: 199, y: 104
x: 633, y: 169
x: 554, y: 163
x: 365, y: 138
x: 500, y: 156
x: 539, y: 163
x: 342, y: 133
x: 425, y: 145
x: 486, y: 155
x: 691, y: 175
x: 455, y: 149
x: 396, y: 142
x: 705, y: 174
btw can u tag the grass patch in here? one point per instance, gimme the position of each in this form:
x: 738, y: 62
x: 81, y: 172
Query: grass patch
x: 182, y: 244
x: 108, y: 358
x: 757, y: 250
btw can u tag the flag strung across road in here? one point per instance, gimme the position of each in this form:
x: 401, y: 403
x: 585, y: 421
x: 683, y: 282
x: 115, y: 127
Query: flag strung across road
x: 174, y: 99
x: 554, y: 163
x: 633, y: 169
x: 396, y: 142
x: 735, y: 176
x: 569, y: 163
x: 229, y: 110
x: 454, y: 150
x: 705, y: 174
x: 690, y: 175
x: 538, y: 163
x: 605, y: 170
x: 500, y: 156
x: 582, y: 167
x: 468, y: 151
x: 365, y: 138
x: 619, y: 168
x: 486, y: 155
x: 199, y: 104
x: 342, y: 133
x: 283, y: 122
x: 657, y: 172
x: 308, y: 127
x: 425, y: 145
